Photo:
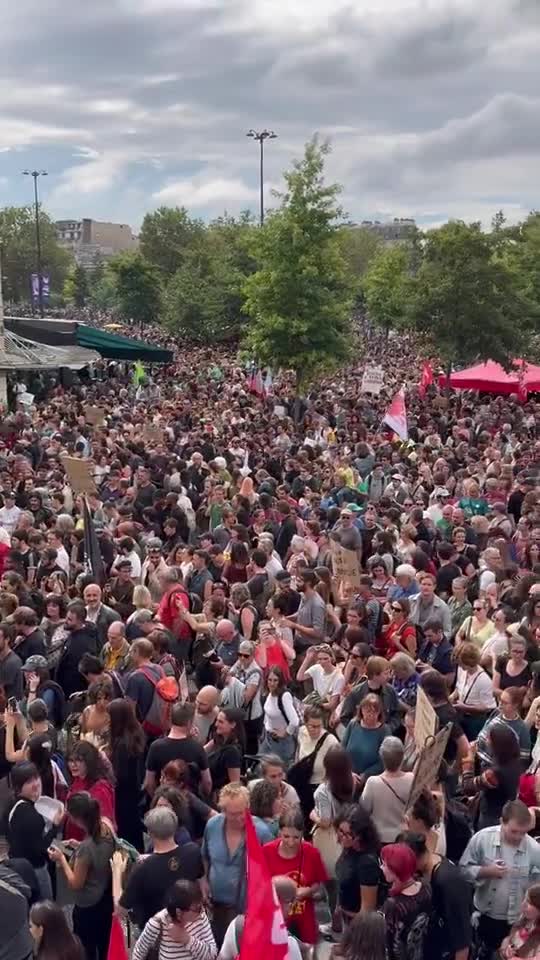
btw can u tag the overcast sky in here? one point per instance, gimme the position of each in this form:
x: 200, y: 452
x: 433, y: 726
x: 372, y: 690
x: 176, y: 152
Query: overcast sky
x: 432, y: 106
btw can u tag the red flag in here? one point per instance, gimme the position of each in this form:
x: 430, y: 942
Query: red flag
x: 117, y: 944
x: 265, y: 933
x: 396, y: 416
x: 426, y: 379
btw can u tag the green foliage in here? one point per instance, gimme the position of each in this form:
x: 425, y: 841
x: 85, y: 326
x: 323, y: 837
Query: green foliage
x: 103, y: 295
x: 18, y: 243
x: 467, y: 300
x: 167, y: 236
x: 300, y: 297
x: 359, y: 246
x: 385, y: 287
x: 137, y: 287
x: 203, y: 299
x: 76, y: 286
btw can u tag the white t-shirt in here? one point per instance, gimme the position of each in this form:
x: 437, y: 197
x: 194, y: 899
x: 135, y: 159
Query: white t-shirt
x: 496, y: 645
x: 326, y: 684
x: 475, y: 690
x: 274, y: 721
x: 10, y: 518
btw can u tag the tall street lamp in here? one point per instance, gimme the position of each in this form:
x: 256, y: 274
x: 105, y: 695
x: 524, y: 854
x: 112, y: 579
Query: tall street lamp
x: 261, y: 137
x: 35, y: 174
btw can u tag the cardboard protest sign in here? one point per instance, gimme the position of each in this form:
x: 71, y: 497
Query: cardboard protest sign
x: 372, y: 380
x: 79, y: 474
x: 152, y: 433
x: 345, y: 564
x: 95, y: 416
x: 428, y: 763
x: 425, y: 719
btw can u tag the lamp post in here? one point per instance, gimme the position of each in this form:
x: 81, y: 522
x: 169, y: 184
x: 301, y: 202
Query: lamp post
x: 261, y: 136
x: 35, y: 174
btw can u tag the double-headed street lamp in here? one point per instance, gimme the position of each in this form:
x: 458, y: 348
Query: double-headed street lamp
x: 261, y: 137
x: 35, y: 174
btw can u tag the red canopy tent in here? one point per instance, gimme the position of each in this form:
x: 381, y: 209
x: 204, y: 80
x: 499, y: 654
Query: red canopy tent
x: 491, y: 378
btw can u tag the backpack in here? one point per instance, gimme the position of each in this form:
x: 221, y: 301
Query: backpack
x: 166, y: 692
x: 296, y: 706
x: 458, y: 829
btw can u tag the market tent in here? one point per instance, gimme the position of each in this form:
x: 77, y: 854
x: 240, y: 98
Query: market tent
x: 65, y: 333
x: 492, y: 378
x: 115, y: 347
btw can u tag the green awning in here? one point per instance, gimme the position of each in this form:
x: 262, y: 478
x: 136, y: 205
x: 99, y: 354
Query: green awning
x: 115, y: 347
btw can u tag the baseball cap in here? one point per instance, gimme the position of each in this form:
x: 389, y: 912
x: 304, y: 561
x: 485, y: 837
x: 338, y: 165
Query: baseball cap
x: 35, y: 662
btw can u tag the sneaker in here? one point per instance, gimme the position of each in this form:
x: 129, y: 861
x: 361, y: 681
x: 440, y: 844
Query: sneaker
x: 328, y: 933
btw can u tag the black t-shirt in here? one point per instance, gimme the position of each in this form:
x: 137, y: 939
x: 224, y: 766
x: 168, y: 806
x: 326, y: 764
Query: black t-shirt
x: 222, y: 759
x: 450, y: 922
x: 165, y: 749
x: 355, y: 869
x: 447, y: 714
x: 150, y: 880
x: 445, y: 576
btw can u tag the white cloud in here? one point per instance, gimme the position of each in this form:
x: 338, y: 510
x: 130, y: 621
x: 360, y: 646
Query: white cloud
x: 207, y: 192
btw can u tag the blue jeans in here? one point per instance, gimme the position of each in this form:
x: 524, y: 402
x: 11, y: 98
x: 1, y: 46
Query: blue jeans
x: 284, y: 747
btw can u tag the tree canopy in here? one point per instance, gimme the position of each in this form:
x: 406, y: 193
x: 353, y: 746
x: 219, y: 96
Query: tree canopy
x: 300, y: 297
x: 166, y: 237
x: 137, y: 287
x: 466, y: 300
x: 18, y: 245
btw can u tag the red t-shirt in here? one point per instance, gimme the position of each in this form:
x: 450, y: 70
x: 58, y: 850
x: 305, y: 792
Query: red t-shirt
x: 276, y: 658
x: 103, y: 792
x: 305, y: 869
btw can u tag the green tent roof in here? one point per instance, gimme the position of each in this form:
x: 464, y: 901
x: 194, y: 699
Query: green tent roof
x: 115, y: 347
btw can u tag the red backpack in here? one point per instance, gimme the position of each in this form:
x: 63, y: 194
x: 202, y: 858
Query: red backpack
x: 166, y: 692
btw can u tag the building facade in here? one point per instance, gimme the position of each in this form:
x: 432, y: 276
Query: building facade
x: 90, y: 240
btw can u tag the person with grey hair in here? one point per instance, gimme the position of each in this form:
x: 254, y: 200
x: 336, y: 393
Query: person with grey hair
x: 406, y: 585
x: 405, y: 678
x: 248, y: 672
x: 286, y: 890
x: 148, y: 884
x: 385, y: 796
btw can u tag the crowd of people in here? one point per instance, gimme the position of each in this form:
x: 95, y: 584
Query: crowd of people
x: 208, y: 661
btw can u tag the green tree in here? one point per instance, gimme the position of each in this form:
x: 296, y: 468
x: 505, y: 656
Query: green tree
x: 385, y: 288
x: 203, y: 301
x: 300, y: 297
x: 359, y: 247
x: 18, y: 242
x: 166, y: 236
x: 466, y: 300
x: 76, y: 286
x: 137, y: 287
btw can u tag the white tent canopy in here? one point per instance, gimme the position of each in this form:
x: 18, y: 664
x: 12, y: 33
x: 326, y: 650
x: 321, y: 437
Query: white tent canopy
x: 23, y: 354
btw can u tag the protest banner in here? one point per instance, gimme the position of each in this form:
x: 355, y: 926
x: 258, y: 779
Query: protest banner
x: 428, y: 763
x: 79, y: 474
x: 372, y: 380
x: 345, y: 564
x: 425, y: 719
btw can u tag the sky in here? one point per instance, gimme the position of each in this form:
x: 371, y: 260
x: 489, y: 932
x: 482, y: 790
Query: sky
x: 432, y: 107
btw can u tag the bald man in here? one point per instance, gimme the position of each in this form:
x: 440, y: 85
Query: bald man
x: 206, y: 711
x: 227, y: 643
x: 285, y: 888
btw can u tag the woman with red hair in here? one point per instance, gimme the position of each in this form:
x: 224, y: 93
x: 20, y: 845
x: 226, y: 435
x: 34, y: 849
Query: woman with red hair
x: 406, y: 909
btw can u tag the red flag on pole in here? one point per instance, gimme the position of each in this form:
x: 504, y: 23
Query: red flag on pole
x: 117, y: 944
x: 396, y: 415
x: 265, y: 933
x: 426, y: 379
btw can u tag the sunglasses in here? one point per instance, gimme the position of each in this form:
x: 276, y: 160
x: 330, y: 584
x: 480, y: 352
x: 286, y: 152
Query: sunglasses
x: 397, y: 609
x: 244, y: 656
x: 478, y: 608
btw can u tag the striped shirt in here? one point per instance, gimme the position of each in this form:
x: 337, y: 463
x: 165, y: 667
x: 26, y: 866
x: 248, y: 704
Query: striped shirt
x: 200, y: 946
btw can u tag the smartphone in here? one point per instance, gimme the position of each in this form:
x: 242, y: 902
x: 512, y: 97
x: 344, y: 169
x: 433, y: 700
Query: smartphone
x: 12, y: 704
